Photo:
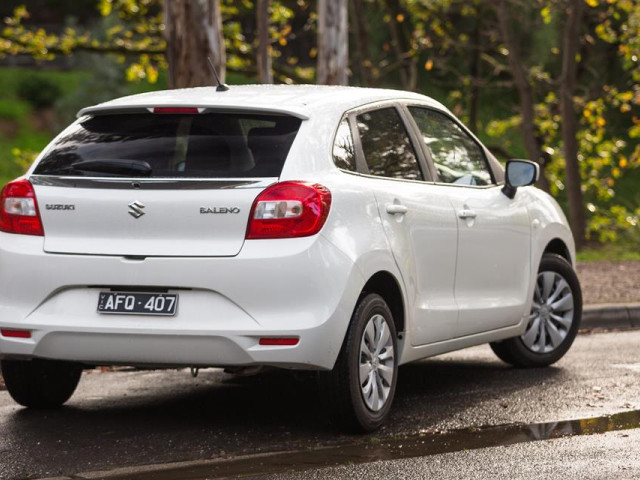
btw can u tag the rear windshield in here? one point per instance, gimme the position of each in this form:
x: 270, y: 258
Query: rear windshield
x: 227, y: 145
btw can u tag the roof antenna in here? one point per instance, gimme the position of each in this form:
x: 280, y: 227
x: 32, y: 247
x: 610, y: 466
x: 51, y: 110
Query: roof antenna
x: 222, y: 87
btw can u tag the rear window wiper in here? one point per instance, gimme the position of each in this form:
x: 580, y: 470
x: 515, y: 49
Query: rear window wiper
x: 115, y: 167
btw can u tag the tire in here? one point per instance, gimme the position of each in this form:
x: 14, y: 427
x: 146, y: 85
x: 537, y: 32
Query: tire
x: 349, y: 406
x: 40, y: 383
x: 547, y: 341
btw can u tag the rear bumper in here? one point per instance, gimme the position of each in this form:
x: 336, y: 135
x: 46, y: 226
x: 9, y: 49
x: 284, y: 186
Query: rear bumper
x: 304, y: 288
x: 168, y: 350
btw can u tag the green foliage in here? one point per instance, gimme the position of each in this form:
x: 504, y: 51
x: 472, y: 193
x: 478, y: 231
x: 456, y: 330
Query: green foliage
x: 608, y: 114
x: 23, y: 158
x: 29, y: 141
x: 40, y: 92
x: 613, y: 223
x: 94, y: 79
x: 11, y: 109
x: 105, y: 82
x: 12, y: 78
x: 455, y: 45
x: 136, y: 31
x: 620, y: 25
x: 605, y: 159
x: 134, y: 34
x: 21, y: 125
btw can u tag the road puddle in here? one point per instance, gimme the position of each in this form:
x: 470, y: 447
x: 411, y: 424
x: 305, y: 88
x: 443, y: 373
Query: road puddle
x: 371, y: 449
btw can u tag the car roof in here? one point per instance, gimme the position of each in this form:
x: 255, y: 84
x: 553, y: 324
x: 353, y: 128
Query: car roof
x: 303, y: 101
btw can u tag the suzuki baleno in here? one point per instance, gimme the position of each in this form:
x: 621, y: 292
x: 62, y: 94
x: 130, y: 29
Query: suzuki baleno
x: 336, y: 229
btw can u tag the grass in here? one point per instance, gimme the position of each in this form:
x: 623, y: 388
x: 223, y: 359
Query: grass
x: 610, y: 252
x: 68, y: 81
x: 13, y: 109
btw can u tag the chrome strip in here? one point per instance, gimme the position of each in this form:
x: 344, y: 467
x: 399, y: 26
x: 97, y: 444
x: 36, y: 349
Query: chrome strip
x: 424, y: 182
x: 151, y: 183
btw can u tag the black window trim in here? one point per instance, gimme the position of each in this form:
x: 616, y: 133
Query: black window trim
x: 427, y: 153
x: 361, y: 164
x: 418, y: 140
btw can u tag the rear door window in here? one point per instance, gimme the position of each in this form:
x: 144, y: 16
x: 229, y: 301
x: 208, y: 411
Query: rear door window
x: 386, y: 145
x: 209, y: 145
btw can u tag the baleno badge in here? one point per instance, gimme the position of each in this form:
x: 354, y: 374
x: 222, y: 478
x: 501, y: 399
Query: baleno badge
x: 219, y: 210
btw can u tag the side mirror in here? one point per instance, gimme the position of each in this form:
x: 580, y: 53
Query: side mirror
x: 519, y: 173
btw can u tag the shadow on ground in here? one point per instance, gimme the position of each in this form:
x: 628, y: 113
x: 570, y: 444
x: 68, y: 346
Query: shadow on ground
x: 130, y: 418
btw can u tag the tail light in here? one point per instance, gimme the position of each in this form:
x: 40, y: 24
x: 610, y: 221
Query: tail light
x: 288, y: 210
x: 19, y: 209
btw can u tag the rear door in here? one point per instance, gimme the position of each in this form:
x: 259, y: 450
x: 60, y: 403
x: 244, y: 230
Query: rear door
x: 418, y: 220
x: 494, y: 238
x: 166, y: 184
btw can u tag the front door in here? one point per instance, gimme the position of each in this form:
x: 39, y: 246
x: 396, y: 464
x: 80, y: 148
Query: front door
x: 494, y: 238
x: 493, y: 269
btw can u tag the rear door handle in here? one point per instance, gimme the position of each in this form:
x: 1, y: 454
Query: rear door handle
x: 466, y: 213
x: 394, y: 208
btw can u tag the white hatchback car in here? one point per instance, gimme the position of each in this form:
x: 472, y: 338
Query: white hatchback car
x: 337, y: 229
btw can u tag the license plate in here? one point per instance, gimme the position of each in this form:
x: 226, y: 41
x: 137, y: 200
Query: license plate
x: 137, y: 303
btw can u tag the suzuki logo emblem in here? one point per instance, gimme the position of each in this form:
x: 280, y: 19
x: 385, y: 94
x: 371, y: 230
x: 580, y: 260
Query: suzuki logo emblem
x: 135, y: 209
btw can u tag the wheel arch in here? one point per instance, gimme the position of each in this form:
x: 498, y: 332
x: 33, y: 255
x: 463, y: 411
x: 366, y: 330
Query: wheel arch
x: 385, y: 284
x: 559, y: 247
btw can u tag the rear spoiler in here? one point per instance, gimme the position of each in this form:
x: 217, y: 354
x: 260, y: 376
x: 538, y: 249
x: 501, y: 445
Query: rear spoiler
x: 106, y: 109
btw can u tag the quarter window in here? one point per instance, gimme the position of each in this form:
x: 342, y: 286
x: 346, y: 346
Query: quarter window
x: 386, y: 146
x: 344, y: 155
x: 457, y: 157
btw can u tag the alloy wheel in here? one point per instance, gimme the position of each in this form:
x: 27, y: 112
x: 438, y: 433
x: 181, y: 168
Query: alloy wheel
x: 551, y: 313
x: 377, y: 363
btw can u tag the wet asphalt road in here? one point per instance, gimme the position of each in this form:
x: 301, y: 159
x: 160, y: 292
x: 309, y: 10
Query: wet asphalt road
x: 132, y: 418
x: 612, y: 455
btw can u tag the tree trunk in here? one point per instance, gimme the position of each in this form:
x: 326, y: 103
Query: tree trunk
x: 567, y: 86
x: 401, y: 42
x: 333, y: 42
x: 474, y: 73
x: 525, y: 91
x: 193, y: 29
x: 265, y: 72
x: 362, y: 43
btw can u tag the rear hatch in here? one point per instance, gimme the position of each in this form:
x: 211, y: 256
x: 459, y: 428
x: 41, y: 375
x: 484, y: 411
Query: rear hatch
x: 171, y: 183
